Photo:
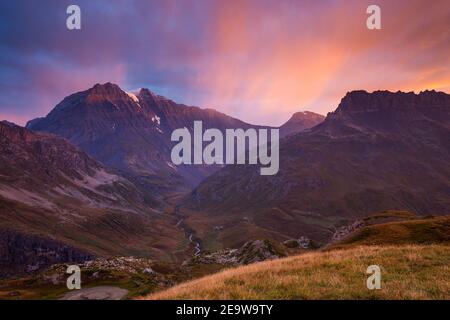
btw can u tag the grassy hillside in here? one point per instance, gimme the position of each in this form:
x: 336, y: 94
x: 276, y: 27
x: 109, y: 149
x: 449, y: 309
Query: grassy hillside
x: 408, y: 272
x: 432, y: 230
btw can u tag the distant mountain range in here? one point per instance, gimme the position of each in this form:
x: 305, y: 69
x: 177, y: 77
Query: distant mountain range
x: 94, y: 177
x: 131, y: 132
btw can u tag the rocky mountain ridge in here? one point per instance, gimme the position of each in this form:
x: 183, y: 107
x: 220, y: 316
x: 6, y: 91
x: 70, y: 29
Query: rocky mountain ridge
x: 378, y: 151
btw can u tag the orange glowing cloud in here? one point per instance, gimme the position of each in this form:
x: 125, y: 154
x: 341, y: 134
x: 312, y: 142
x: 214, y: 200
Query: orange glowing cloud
x: 270, y: 60
x: 258, y: 60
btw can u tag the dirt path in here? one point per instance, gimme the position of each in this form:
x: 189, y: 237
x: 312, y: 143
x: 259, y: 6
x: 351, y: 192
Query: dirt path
x: 96, y: 293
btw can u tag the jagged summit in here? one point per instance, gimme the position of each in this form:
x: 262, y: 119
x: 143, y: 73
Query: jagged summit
x: 363, y: 101
x: 147, y: 93
x: 112, y: 93
x: 106, y: 87
x: 110, y: 90
x: 385, y: 111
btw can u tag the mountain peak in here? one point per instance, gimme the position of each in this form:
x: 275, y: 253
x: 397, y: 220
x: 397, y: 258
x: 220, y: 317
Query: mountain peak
x: 109, y: 90
x: 300, y: 121
x: 108, y: 86
x: 8, y: 123
x: 361, y: 101
x: 386, y: 111
x: 305, y: 114
x: 148, y: 94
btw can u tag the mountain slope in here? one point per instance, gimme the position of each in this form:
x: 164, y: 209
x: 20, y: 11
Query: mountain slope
x: 377, y: 151
x: 300, y: 121
x: 50, y: 189
x: 132, y: 132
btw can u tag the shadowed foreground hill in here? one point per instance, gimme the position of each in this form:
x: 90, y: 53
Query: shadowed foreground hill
x: 408, y: 272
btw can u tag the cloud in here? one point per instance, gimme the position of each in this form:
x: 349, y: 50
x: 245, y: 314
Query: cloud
x: 256, y: 60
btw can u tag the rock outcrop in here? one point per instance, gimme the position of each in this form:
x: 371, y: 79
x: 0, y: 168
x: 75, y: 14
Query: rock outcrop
x: 250, y: 252
x: 25, y: 254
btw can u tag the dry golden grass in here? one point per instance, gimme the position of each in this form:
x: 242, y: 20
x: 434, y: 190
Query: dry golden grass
x: 408, y: 272
x: 434, y: 230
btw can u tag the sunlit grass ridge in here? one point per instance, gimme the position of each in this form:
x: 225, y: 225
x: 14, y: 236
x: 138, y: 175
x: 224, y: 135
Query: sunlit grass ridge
x: 408, y: 272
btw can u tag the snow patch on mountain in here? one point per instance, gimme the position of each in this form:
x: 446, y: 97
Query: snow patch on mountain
x: 134, y: 98
x: 101, y: 177
x: 156, y: 119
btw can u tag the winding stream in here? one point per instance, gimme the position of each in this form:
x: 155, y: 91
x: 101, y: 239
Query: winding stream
x: 196, y: 244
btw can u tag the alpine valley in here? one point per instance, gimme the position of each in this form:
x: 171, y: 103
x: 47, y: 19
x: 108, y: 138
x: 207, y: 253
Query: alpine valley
x: 92, y: 183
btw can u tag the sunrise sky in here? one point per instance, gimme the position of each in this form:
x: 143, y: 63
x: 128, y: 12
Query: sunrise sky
x: 257, y: 60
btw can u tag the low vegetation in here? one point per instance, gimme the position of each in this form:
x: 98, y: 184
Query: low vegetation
x: 408, y: 272
x: 413, y: 253
x: 431, y: 230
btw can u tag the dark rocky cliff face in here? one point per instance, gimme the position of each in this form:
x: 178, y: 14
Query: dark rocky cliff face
x: 384, y: 111
x: 23, y: 254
